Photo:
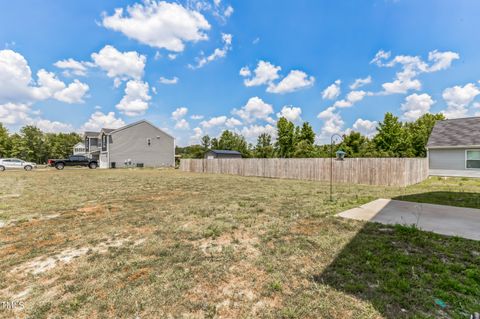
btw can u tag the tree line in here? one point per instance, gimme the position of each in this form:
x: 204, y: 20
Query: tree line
x: 393, y: 138
x: 33, y: 145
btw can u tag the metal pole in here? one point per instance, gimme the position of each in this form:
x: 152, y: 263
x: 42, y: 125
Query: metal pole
x: 331, y: 168
x: 331, y: 164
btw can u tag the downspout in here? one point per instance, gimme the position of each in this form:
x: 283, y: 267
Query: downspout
x: 108, y: 150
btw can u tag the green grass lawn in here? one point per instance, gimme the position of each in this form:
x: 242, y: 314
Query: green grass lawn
x: 167, y: 244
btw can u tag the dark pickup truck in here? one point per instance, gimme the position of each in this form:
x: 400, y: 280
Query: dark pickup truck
x: 74, y: 160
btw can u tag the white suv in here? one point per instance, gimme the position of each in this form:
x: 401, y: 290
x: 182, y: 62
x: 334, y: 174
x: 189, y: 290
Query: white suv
x: 15, y: 163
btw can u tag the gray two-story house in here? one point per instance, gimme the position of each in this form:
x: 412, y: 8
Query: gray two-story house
x: 140, y: 144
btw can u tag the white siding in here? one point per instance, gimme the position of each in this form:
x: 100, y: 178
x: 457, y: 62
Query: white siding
x: 448, y: 159
x: 131, y: 143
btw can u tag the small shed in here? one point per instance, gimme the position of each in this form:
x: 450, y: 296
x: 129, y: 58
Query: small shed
x: 222, y: 154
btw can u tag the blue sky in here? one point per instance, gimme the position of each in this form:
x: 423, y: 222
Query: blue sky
x: 201, y: 66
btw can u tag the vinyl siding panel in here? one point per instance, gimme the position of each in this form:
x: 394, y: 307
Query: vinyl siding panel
x: 131, y: 143
x: 450, y: 159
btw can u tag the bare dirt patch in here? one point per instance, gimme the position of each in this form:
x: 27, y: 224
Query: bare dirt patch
x: 240, y: 241
x: 43, y: 264
x: 91, y: 209
x: 238, y: 293
x: 9, y: 196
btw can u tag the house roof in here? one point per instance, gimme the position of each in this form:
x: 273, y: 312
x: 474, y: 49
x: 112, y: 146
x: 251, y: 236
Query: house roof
x: 111, y: 130
x: 464, y: 132
x: 226, y: 152
x: 91, y: 134
x: 139, y: 122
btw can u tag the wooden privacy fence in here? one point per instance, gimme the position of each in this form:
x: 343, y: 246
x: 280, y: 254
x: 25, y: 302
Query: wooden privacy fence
x: 369, y: 171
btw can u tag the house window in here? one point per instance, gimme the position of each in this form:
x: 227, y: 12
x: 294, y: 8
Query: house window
x: 473, y: 159
x: 104, y: 142
x: 149, y: 141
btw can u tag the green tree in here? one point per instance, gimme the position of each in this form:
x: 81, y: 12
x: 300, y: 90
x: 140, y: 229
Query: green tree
x: 34, y: 146
x: 60, y: 145
x: 192, y: 151
x: 307, y: 134
x: 206, y: 142
x: 214, y: 143
x: 233, y: 142
x: 17, y: 148
x: 286, y: 138
x: 264, y: 147
x: 420, y: 132
x: 304, y: 141
x: 304, y: 149
x: 5, y: 144
x: 355, y: 144
x: 393, y: 139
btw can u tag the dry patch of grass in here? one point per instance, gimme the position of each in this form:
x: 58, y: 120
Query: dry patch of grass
x: 166, y: 244
x: 42, y: 264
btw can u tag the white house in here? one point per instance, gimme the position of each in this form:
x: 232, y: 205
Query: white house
x: 79, y: 149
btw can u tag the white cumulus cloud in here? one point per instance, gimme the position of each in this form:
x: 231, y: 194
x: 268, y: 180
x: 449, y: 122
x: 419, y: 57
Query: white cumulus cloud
x: 411, y: 68
x: 253, y: 131
x: 365, y: 127
x: 179, y: 113
x: 214, y: 121
x: 217, y: 53
x: 135, y: 100
x: 361, y: 82
x: 197, y: 117
x: 294, y: 81
x: 182, y: 124
x: 14, y: 113
x: 52, y: 126
x: 441, y: 60
x: 265, y: 73
x: 99, y: 120
x: 255, y: 109
x: 168, y: 81
x: 352, y: 98
x: 232, y: 122
x: 120, y: 66
x: 159, y: 24
x: 291, y: 113
x: 416, y: 105
x: 332, y: 91
x: 72, y: 66
x: 73, y: 93
x: 18, y: 86
x: 458, y: 99
x: 332, y: 124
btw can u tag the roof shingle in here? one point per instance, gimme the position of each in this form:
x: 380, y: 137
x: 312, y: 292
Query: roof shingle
x: 456, y: 132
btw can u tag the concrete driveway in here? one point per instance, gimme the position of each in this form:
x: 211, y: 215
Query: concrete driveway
x: 440, y: 219
x: 455, y: 173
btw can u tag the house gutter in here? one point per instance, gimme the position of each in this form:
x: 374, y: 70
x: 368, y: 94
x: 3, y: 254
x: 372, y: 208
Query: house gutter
x: 456, y: 146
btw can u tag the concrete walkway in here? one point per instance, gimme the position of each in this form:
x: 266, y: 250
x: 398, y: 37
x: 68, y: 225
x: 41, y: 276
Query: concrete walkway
x: 440, y: 219
x: 455, y: 173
